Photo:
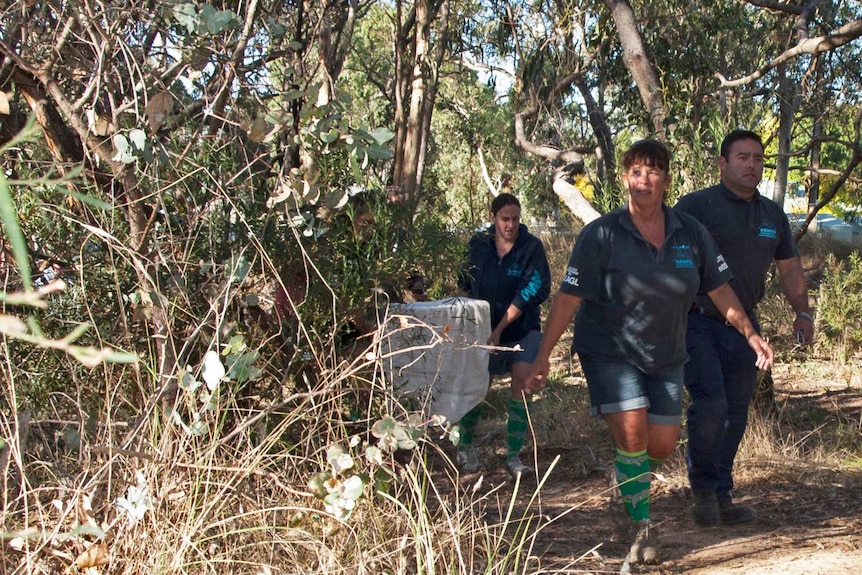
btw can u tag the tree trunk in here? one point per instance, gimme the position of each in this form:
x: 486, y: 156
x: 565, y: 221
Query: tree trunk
x: 814, y: 181
x: 787, y: 109
x: 407, y: 162
x: 639, y: 65
x: 606, y: 157
x: 427, y: 111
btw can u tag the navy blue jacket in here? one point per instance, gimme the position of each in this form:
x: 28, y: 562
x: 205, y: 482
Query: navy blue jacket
x: 521, y: 277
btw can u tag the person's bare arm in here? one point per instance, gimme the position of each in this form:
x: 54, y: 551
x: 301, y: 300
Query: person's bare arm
x: 728, y: 304
x: 792, y: 279
x: 562, y: 311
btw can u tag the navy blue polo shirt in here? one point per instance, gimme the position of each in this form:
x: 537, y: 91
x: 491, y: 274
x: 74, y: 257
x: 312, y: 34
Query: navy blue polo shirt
x: 749, y: 233
x: 636, y: 298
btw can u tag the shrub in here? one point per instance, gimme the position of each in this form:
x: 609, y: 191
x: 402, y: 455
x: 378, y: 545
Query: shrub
x: 840, y: 307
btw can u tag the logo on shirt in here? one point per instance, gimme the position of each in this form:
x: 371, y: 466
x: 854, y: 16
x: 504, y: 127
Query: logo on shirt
x: 515, y: 271
x: 571, y: 276
x: 767, y: 230
x: 719, y: 261
x: 682, y: 256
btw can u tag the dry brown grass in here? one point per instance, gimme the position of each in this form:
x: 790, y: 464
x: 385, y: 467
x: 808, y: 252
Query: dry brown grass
x: 237, y: 498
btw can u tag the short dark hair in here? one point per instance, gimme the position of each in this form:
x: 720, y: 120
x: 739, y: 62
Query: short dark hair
x: 650, y: 153
x: 503, y: 200
x: 736, y: 136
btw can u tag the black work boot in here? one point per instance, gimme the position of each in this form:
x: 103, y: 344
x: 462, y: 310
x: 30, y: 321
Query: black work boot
x: 705, y: 510
x: 731, y: 514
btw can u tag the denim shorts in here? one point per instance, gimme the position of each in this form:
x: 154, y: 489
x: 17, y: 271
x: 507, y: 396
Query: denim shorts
x: 617, y: 386
x: 500, y: 362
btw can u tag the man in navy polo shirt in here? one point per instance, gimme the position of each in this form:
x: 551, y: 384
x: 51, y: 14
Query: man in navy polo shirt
x: 751, y: 231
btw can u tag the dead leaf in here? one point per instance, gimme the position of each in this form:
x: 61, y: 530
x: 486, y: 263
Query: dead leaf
x: 259, y: 130
x: 94, y: 556
x: 4, y: 104
x: 99, y: 124
x: 158, y: 109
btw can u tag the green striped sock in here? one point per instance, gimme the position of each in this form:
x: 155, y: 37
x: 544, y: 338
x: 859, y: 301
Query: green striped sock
x: 516, y: 428
x: 468, y: 425
x: 654, y: 463
x: 633, y: 478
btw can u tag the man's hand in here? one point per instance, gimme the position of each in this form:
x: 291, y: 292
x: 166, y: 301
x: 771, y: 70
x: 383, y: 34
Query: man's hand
x: 803, y: 328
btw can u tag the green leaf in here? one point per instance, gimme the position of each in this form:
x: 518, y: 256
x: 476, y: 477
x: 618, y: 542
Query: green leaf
x: 9, y: 217
x: 218, y: 21
x: 89, y: 200
x: 34, y: 327
x: 241, y: 367
x: 121, y: 357
x: 198, y: 428
x: 235, y: 345
x: 188, y: 382
x: 76, y: 333
x: 382, y: 135
x: 377, y: 152
x: 237, y: 268
x: 330, y: 136
x: 383, y: 427
x: 354, y: 166
x: 187, y: 15
x: 72, y: 439
x: 276, y: 29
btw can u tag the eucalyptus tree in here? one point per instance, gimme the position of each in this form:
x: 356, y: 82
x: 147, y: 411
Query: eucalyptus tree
x: 541, y: 51
x: 584, y: 76
x: 199, y: 123
x: 671, y: 69
x: 810, y: 38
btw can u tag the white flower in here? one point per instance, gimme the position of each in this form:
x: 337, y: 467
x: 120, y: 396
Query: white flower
x: 137, y: 500
x: 213, y: 370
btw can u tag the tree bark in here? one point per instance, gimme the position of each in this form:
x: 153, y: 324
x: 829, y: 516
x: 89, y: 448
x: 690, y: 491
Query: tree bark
x: 787, y: 97
x: 407, y: 164
x: 639, y: 65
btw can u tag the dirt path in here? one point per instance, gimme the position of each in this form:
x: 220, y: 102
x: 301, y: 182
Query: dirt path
x: 800, y: 529
x: 808, y: 517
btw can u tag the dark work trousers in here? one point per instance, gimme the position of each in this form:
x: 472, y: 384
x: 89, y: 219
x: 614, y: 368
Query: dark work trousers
x: 720, y: 377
